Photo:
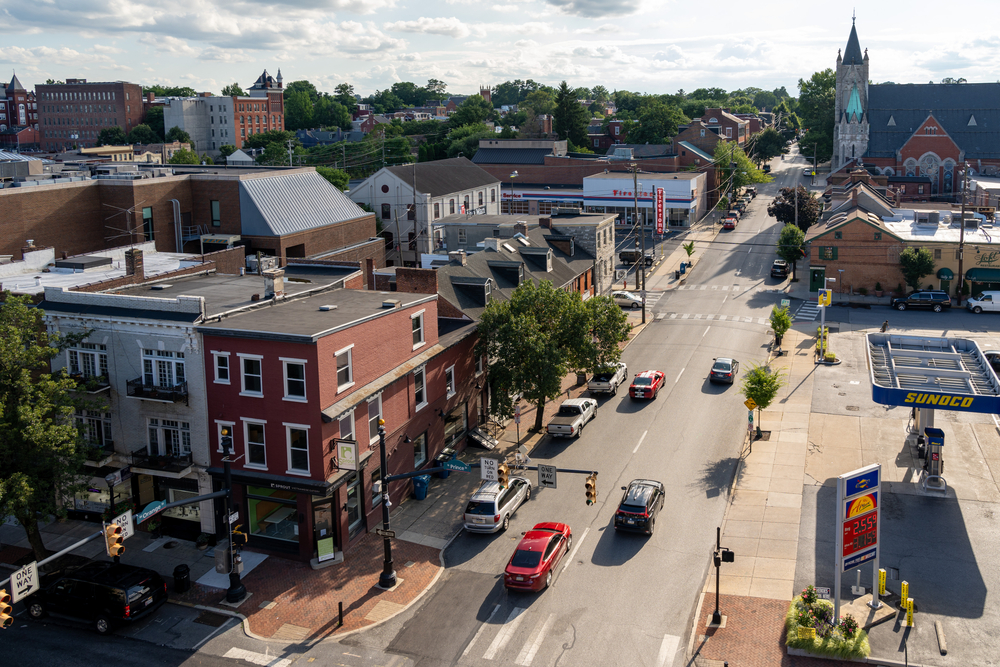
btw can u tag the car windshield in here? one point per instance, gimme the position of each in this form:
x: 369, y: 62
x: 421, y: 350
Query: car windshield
x: 479, y: 508
x: 525, y: 558
x: 722, y: 366
x: 632, y: 509
x: 643, y: 382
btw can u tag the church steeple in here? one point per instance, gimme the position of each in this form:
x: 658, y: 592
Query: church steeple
x: 850, y: 130
x: 852, y: 54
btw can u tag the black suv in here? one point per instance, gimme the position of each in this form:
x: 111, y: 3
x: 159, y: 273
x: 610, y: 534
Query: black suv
x: 936, y: 300
x: 105, y: 594
x: 779, y: 269
x: 633, y: 257
x: 642, y: 501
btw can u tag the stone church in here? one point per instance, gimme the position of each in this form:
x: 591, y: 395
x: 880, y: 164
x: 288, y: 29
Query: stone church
x: 918, y: 135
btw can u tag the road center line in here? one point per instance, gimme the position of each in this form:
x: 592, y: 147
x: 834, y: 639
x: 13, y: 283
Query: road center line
x: 534, y: 642
x: 640, y: 442
x: 482, y: 628
x: 682, y: 370
x: 509, y: 626
x: 707, y: 329
x: 572, y: 554
x: 668, y: 648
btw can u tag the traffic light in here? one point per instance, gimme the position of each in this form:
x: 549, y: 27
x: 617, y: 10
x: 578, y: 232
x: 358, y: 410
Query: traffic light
x: 5, y: 609
x: 226, y: 441
x: 503, y: 475
x: 591, y: 486
x: 113, y: 538
x: 239, y: 538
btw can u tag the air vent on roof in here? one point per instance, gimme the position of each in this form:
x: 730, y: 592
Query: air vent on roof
x: 161, y: 286
x: 522, y: 240
x: 391, y: 303
x: 508, y: 247
x: 328, y: 307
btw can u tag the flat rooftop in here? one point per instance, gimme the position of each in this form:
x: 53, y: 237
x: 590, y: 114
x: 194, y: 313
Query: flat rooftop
x: 650, y: 176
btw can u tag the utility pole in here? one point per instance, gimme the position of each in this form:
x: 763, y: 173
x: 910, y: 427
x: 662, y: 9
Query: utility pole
x: 961, y: 235
x: 796, y: 204
x: 634, y: 168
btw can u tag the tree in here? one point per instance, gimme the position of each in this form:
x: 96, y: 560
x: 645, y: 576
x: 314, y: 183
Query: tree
x: 765, y: 99
x: 436, y: 90
x: 600, y: 93
x: 610, y: 326
x: 344, y: 94
x: 540, y: 102
x: 915, y: 263
x: 42, y: 452
x: 233, y: 90
x: 170, y: 91
x: 177, y: 134
x: 790, y: 242
x: 302, y: 87
x: 783, y: 207
x: 727, y: 155
x: 184, y: 156
x: 274, y: 154
x: 465, y: 139
x: 713, y: 94
x: 154, y: 119
x: 657, y: 123
x: 262, y: 139
x: 569, y: 119
x: 817, y: 104
x: 207, y: 159
x: 474, y: 110
x: 111, y: 136
x: 781, y: 322
x: 538, y: 336
x: 225, y: 150
x: 384, y: 101
x: 328, y: 112
x: 761, y: 385
x: 767, y: 144
x: 298, y: 110
x: 338, y: 179
x: 142, y: 134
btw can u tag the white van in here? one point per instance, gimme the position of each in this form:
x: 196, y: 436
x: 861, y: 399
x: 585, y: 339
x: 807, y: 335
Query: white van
x: 985, y: 301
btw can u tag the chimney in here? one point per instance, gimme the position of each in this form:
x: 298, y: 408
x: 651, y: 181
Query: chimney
x: 370, y: 273
x: 545, y: 222
x: 521, y: 227
x: 417, y: 281
x: 274, y: 283
x: 455, y: 258
x: 133, y: 264
x: 150, y: 97
x: 491, y: 244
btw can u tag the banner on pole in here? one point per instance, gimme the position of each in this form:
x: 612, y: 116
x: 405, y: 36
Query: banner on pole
x: 661, y: 209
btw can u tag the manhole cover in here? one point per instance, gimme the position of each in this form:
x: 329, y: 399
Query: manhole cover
x: 853, y: 408
x: 171, y: 544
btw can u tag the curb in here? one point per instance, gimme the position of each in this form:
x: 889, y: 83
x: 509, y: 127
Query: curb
x: 883, y: 662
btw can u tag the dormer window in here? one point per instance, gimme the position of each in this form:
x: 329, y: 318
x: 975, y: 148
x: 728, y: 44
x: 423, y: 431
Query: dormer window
x: 488, y: 291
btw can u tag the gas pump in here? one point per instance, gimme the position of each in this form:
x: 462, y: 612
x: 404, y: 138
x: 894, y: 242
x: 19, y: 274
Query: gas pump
x: 934, y: 461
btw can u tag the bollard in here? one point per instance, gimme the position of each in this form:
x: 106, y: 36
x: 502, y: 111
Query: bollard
x: 881, y: 581
x: 909, y: 612
x: 340, y: 614
x: 904, y: 592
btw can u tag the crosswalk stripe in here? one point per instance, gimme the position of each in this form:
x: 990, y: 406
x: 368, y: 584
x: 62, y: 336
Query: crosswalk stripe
x: 509, y: 626
x: 685, y: 316
x: 668, y: 649
x: 534, y: 642
x: 481, y: 630
x: 256, y: 658
x: 673, y: 316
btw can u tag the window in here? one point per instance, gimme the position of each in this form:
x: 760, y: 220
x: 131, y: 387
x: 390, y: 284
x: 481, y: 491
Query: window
x: 147, y: 222
x: 493, y: 196
x: 346, y: 423
x: 449, y: 381
x: 297, y: 436
x: 419, y: 450
x: 417, y: 324
x: 273, y: 513
x: 618, y: 130
x: 376, y: 495
x: 937, y: 253
x: 838, y: 235
x: 221, y: 367
x: 374, y: 414
x: 729, y: 132
x: 480, y: 197
x: 168, y: 437
x: 162, y: 369
x: 253, y: 436
x: 466, y: 203
x: 828, y: 252
x: 345, y: 371
x: 251, y: 377
x: 216, y: 215
x: 96, y: 428
x: 437, y: 210
x: 451, y: 207
x: 463, y: 237
x: 295, y: 379
x: 479, y: 366
x: 455, y: 425
x: 89, y: 360
x: 878, y: 236
x: 420, y: 387
x: 597, y: 142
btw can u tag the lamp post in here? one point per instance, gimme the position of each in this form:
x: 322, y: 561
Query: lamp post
x: 513, y: 175
x: 237, y: 591
x: 388, y: 577
x: 823, y: 347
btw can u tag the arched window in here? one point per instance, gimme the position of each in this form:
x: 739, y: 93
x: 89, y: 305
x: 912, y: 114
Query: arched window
x: 480, y: 197
x: 493, y: 195
x: 451, y: 207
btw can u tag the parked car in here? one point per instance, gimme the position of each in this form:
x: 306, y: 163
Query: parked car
x: 633, y: 257
x: 608, y: 380
x: 628, y: 299
x: 571, y: 417
x: 752, y: 191
x: 536, y: 556
x: 729, y: 222
x: 646, y: 384
x: 490, y: 508
x: 638, y: 508
x: 779, y: 269
x: 105, y: 594
x: 767, y: 169
x: 993, y: 359
x: 936, y: 300
x: 724, y: 370
x: 987, y: 301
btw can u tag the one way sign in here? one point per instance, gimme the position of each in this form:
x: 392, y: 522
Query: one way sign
x: 24, y: 582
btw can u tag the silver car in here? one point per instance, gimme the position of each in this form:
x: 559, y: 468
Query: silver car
x: 627, y: 299
x: 490, y: 508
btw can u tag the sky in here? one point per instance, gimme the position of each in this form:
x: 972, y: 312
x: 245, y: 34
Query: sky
x: 652, y: 46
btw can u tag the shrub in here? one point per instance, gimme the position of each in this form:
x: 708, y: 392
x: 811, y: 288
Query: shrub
x: 829, y: 356
x: 831, y: 640
x: 809, y: 594
x: 863, y: 291
x: 848, y: 626
x: 878, y: 286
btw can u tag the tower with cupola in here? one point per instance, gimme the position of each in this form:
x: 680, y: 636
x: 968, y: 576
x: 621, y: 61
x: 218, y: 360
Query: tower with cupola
x: 850, y: 126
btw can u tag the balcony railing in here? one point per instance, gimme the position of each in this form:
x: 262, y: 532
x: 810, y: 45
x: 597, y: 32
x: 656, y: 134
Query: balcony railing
x: 174, y: 394
x: 141, y: 458
x: 92, y: 384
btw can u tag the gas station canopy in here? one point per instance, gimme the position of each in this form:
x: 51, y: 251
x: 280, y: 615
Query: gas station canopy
x: 926, y: 372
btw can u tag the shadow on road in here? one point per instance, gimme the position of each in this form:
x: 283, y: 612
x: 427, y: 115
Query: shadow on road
x: 616, y: 548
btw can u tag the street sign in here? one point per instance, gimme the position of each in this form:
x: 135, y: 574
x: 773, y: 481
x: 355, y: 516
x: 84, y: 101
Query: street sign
x: 488, y: 469
x: 750, y: 416
x: 822, y: 593
x: 234, y: 517
x: 124, y: 521
x: 785, y: 303
x: 750, y: 403
x: 517, y: 413
x: 455, y: 464
x: 825, y: 297
x: 152, y: 508
x: 546, y: 476
x: 24, y: 582
x: 382, y: 532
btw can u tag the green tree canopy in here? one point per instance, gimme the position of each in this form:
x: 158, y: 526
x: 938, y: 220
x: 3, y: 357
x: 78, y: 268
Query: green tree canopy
x: 474, y: 110
x: 781, y: 321
x: 767, y: 144
x: 111, y: 136
x: 765, y: 99
x: 817, y: 103
x: 513, y: 92
x: 436, y: 89
x: 915, y: 263
x: 782, y: 207
x: 540, y: 102
x: 761, y: 384
x: 789, y: 246
x: 226, y: 150
x: 384, y: 101
x: 339, y: 179
x: 329, y: 113
x: 233, y: 90
x: 298, y: 110
x: 302, y: 87
x: 717, y: 95
x: 142, y: 134
x: 170, y: 91
x: 262, y: 139
x: 184, y: 156
x: 569, y: 119
x: 177, y: 134
x: 154, y: 119
x: 344, y: 94
x: 728, y: 153
x: 465, y: 139
x: 657, y: 124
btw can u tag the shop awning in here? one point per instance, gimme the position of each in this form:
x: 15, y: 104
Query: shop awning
x: 944, y: 273
x: 983, y: 275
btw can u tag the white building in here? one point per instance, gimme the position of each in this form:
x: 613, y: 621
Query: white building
x: 209, y: 121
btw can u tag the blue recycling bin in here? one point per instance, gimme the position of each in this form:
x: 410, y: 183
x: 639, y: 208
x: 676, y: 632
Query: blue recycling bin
x: 420, y: 484
x: 683, y: 268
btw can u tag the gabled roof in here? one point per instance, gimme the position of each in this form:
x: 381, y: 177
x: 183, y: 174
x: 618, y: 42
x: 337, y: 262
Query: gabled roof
x: 441, y: 177
x: 846, y: 217
x: 282, y: 204
x: 697, y: 151
x: 852, y: 54
x: 511, y: 155
x: 15, y: 84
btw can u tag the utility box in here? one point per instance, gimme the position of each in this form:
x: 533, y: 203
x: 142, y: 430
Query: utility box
x: 935, y: 451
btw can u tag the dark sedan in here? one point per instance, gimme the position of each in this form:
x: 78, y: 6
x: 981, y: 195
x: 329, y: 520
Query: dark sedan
x: 642, y: 501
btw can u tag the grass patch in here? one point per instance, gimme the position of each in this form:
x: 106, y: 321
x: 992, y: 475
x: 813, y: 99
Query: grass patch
x: 830, y: 640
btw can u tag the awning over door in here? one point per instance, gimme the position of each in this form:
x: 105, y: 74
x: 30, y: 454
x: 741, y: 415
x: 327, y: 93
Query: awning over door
x: 983, y: 275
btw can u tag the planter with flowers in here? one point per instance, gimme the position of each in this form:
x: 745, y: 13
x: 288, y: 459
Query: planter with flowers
x: 811, y: 627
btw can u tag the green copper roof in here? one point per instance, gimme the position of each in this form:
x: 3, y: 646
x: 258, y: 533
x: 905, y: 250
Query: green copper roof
x: 854, y: 110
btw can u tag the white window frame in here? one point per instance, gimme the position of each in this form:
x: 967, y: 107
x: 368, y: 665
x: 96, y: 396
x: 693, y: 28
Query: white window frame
x: 161, y: 440
x: 422, y: 373
x: 479, y: 365
x: 221, y: 424
x: 449, y: 381
x: 175, y: 364
x: 216, y: 356
x: 463, y: 237
x: 375, y: 400
x: 288, y: 448
x: 246, y: 442
x: 349, y: 415
x: 243, y: 374
x: 350, y: 367
x: 419, y: 315
x: 422, y: 438
x: 99, y: 359
x: 285, y: 361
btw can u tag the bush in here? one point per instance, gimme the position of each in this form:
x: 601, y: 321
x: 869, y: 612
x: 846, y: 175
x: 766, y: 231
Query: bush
x: 863, y: 291
x: 836, y: 640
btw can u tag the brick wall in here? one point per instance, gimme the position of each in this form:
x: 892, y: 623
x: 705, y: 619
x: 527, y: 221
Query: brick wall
x: 228, y: 261
x: 864, y: 260
x: 570, y: 171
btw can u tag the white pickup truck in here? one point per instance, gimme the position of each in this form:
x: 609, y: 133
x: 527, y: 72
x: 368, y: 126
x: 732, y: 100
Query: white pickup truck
x: 608, y: 380
x: 572, y: 416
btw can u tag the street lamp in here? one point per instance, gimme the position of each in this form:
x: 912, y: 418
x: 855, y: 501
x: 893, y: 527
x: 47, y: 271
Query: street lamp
x: 237, y: 591
x: 513, y: 175
x: 387, y: 579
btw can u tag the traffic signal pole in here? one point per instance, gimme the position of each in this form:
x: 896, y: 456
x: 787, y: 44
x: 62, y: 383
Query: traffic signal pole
x: 237, y: 591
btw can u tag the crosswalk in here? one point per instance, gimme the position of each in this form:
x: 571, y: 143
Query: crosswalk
x: 807, y: 312
x: 746, y: 319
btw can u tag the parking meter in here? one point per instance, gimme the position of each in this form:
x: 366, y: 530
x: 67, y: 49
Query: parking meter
x: 935, y: 451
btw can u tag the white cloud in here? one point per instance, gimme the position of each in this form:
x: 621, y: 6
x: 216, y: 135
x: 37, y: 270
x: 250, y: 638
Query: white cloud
x: 595, y: 8
x: 446, y: 26
x: 603, y: 29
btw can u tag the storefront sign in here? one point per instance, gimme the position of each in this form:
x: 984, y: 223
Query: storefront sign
x: 661, y: 206
x: 988, y: 259
x: 325, y: 549
x: 347, y: 454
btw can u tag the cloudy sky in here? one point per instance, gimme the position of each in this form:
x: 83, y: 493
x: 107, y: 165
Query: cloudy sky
x: 656, y: 46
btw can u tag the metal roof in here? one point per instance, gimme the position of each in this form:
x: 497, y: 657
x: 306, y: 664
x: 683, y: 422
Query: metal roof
x: 442, y: 177
x: 852, y: 54
x: 511, y: 155
x: 276, y: 205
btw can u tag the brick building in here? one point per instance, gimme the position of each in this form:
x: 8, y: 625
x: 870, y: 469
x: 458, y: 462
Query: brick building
x: 18, y: 117
x: 74, y: 113
x: 729, y: 126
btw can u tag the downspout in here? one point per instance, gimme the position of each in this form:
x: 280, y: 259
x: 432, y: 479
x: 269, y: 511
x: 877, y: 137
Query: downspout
x: 177, y: 225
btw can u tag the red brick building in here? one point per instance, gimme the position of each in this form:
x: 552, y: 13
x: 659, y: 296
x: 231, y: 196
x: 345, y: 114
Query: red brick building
x: 18, y: 116
x: 730, y: 127
x: 74, y: 113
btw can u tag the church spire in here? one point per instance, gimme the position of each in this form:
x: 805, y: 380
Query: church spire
x: 852, y: 54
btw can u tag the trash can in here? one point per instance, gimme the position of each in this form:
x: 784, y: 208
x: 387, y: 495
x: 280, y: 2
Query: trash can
x: 683, y: 268
x: 446, y: 455
x: 677, y: 274
x: 420, y: 484
x: 182, y: 578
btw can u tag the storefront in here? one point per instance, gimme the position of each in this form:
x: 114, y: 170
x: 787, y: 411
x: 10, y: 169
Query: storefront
x: 93, y: 502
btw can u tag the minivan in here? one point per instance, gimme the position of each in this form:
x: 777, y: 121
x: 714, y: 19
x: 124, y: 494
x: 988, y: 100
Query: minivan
x: 985, y: 301
x: 490, y: 508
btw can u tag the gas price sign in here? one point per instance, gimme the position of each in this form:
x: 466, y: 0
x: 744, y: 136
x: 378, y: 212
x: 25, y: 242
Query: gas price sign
x: 860, y: 533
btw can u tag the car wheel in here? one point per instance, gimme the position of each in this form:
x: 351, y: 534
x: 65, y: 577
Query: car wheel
x: 900, y: 306
x: 652, y: 525
x: 937, y: 308
x: 102, y: 625
x: 36, y: 609
x: 977, y: 310
x: 614, y: 389
x: 527, y: 494
x: 506, y: 523
x: 579, y: 431
x: 548, y: 579
x: 636, y: 304
x: 569, y: 543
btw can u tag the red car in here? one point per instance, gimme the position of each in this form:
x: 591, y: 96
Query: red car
x: 540, y: 550
x: 729, y: 223
x: 646, y: 384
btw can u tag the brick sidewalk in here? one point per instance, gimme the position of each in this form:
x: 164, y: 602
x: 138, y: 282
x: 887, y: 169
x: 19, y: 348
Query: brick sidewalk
x: 753, y: 637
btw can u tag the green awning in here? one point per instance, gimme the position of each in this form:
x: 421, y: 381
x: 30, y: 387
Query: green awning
x: 983, y: 275
x: 944, y: 273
